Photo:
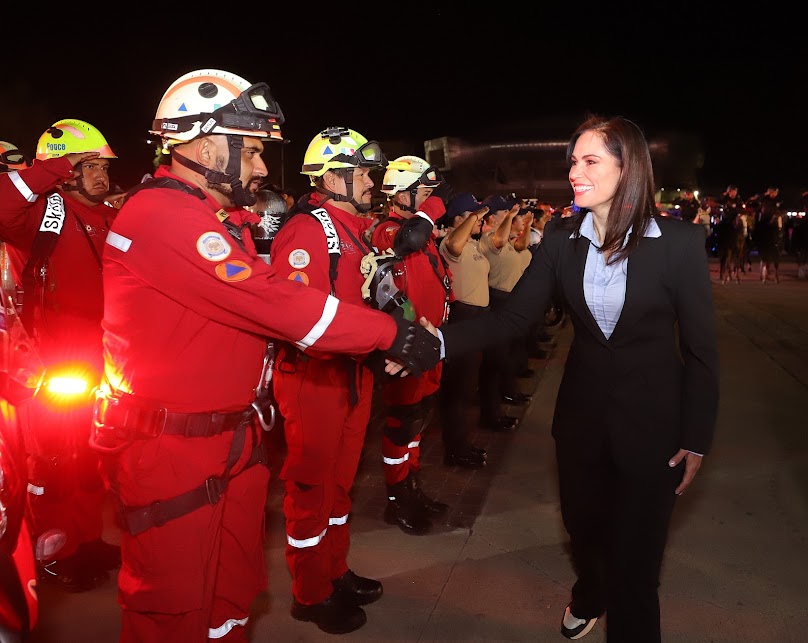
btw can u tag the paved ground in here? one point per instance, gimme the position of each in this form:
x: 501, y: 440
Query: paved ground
x: 497, y: 569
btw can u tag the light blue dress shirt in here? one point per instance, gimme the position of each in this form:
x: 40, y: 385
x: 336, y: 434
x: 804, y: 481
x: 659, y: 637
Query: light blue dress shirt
x: 605, y: 286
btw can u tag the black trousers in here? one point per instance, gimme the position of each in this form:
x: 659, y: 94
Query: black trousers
x: 499, y: 367
x: 458, y: 385
x: 617, y: 517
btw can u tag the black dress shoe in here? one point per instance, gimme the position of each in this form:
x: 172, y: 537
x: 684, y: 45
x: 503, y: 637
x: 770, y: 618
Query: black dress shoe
x: 481, y: 452
x: 502, y: 424
x: 357, y: 589
x: 466, y: 459
x: 517, y: 398
x: 333, y: 615
x: 528, y: 372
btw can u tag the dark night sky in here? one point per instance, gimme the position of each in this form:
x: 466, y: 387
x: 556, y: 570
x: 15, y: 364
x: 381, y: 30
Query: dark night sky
x: 737, y: 83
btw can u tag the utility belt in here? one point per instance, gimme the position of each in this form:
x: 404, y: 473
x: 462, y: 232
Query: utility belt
x: 131, y: 419
x: 120, y: 418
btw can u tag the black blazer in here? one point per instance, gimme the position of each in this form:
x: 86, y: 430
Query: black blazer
x: 652, y: 387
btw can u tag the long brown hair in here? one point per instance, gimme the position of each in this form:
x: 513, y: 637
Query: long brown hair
x: 633, y: 204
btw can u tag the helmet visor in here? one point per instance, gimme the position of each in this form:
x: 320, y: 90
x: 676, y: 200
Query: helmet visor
x: 431, y: 178
x: 251, y: 109
x: 12, y: 157
x: 367, y: 155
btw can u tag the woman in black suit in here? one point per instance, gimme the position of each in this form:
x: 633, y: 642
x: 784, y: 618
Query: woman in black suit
x: 638, y: 400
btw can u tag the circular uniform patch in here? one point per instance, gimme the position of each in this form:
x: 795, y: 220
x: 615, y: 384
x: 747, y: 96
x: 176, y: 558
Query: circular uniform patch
x: 299, y: 258
x: 302, y: 277
x: 213, y: 246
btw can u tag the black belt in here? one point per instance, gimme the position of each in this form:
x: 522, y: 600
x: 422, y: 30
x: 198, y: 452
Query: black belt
x: 132, y: 419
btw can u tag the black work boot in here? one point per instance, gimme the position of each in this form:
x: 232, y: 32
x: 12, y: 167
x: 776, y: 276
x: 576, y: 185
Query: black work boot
x: 404, y: 510
x: 433, y: 507
x: 357, y: 589
x: 333, y: 615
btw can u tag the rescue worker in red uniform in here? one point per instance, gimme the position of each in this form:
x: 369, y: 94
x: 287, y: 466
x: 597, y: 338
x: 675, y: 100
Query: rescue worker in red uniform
x: 188, y: 315
x: 54, y: 217
x: 20, y: 375
x: 408, y: 230
x: 325, y: 398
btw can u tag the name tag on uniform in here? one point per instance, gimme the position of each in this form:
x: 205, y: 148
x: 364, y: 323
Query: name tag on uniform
x: 54, y: 217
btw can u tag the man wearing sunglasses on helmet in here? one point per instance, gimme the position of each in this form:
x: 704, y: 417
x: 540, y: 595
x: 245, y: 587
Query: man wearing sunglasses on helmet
x: 325, y: 397
x: 408, y: 231
x: 190, y: 310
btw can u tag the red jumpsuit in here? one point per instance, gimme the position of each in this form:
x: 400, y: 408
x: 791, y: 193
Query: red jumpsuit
x: 186, y: 320
x: 67, y: 490
x: 324, y: 428
x: 410, y: 400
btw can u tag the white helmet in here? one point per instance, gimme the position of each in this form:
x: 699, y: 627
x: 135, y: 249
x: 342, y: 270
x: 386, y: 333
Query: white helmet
x: 409, y: 173
x: 211, y: 101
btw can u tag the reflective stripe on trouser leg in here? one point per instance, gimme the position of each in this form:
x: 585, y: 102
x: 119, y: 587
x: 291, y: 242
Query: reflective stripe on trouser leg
x: 225, y: 627
x: 396, y: 461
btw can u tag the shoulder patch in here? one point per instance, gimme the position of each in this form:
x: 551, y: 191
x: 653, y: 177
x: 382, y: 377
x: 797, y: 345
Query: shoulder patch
x: 297, y: 275
x: 299, y: 258
x: 233, y: 270
x: 213, y: 246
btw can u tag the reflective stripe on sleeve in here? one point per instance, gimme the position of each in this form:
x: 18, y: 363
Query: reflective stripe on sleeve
x: 35, y: 490
x: 339, y: 520
x: 306, y: 542
x: 329, y: 311
x: 224, y: 628
x: 22, y: 187
x: 413, y: 444
x: 118, y: 241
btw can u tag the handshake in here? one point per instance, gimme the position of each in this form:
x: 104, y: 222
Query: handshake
x: 415, y: 349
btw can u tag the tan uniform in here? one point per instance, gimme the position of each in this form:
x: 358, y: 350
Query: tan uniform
x: 507, y: 264
x: 469, y: 271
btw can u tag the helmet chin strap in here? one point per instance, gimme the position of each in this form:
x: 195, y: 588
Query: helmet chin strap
x: 347, y: 174
x: 241, y: 196
x: 79, y: 187
x: 409, y: 208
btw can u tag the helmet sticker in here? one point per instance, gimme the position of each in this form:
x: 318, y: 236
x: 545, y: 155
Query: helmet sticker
x: 213, y: 246
x: 297, y: 275
x: 299, y: 258
x: 233, y: 271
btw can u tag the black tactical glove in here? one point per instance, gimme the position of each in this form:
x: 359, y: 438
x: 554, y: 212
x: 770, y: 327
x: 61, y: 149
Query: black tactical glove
x: 414, y: 346
x: 412, y: 236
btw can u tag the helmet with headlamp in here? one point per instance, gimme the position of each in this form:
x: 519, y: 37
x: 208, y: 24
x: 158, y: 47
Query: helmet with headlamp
x: 212, y: 101
x: 409, y: 173
x: 342, y: 150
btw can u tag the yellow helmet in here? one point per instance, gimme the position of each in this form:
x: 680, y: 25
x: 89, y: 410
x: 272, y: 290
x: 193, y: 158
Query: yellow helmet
x: 12, y: 157
x: 69, y: 136
x: 340, y: 147
x: 212, y: 101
